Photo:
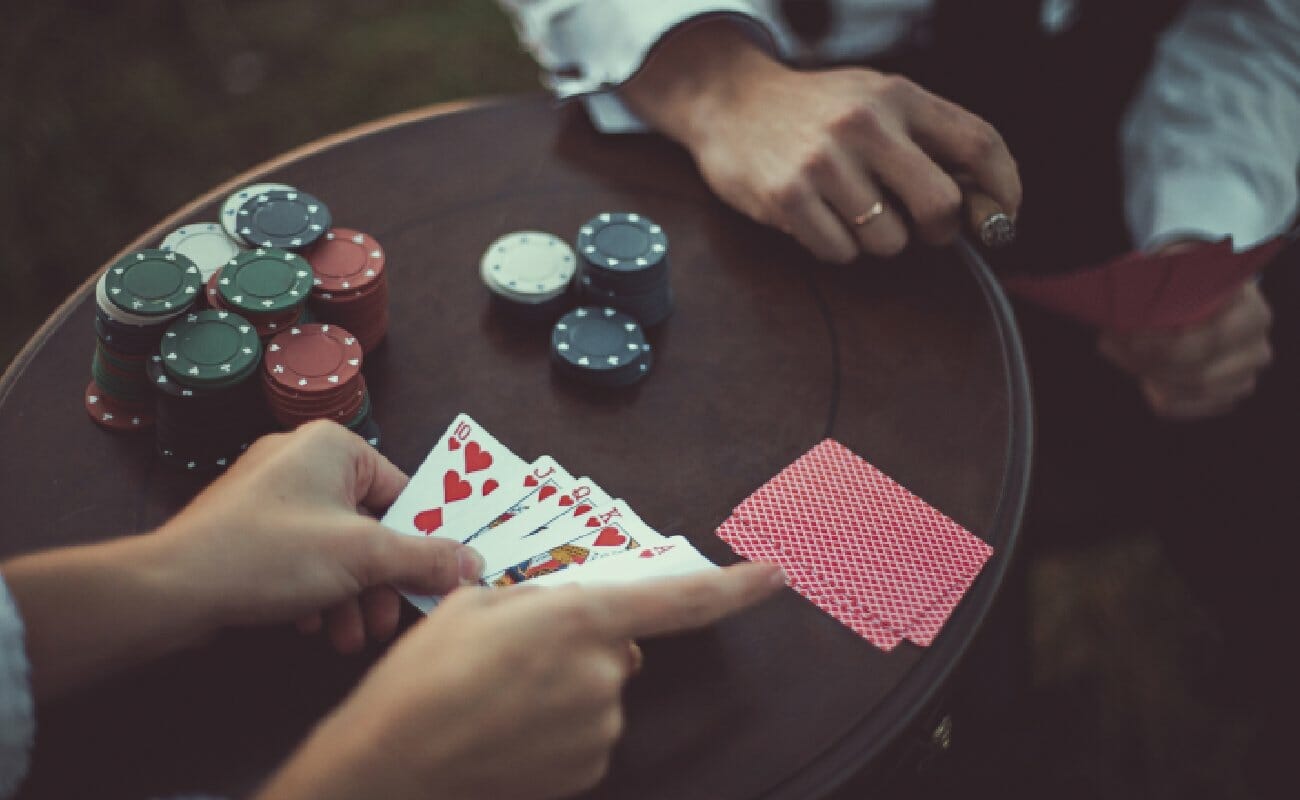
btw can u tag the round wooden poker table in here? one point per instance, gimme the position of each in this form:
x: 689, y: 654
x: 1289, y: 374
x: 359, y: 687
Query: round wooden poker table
x: 915, y: 364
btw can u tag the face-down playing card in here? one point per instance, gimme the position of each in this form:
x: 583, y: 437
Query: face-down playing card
x: 861, y: 543
x: 1149, y: 291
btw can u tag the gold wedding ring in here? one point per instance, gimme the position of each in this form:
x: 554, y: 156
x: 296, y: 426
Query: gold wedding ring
x: 868, y: 216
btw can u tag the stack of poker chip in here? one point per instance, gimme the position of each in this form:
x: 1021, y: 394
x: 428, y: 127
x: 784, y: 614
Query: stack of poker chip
x: 135, y: 299
x: 313, y: 371
x: 600, y: 347
x: 350, y: 284
x: 209, y: 406
x: 267, y: 286
x: 528, y: 274
x: 624, y: 264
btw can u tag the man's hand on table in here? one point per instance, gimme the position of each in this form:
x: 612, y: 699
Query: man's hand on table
x: 1202, y: 370
x: 812, y: 152
x: 506, y: 693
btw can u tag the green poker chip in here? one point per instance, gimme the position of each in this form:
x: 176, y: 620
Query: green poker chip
x: 265, y: 281
x: 153, y: 283
x: 211, y: 349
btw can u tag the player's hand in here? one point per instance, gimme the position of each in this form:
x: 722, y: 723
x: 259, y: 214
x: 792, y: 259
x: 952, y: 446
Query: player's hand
x: 283, y: 536
x: 506, y: 693
x: 809, y: 152
x: 1203, y: 370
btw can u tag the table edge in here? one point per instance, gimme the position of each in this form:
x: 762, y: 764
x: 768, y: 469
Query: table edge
x: 14, y: 371
x: 906, y: 706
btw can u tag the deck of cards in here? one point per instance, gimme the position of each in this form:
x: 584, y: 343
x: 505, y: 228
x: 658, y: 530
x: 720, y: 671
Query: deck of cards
x: 859, y: 546
x: 530, y: 522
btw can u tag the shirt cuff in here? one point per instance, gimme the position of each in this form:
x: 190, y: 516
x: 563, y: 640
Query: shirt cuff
x: 1192, y: 203
x: 17, y: 713
x: 598, y: 46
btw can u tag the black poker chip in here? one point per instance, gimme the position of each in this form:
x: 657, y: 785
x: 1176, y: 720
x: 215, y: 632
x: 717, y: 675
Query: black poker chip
x: 284, y: 218
x: 622, y: 252
x: 649, y: 308
x: 204, y: 429
x: 600, y: 347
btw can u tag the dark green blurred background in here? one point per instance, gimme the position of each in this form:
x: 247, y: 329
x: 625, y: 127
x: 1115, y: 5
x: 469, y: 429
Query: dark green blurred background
x: 115, y: 113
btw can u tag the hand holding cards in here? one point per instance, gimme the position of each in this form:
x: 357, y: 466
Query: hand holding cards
x: 530, y: 521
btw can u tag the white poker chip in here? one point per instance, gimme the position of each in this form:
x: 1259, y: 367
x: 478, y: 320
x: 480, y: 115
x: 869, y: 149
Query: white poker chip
x: 230, y: 208
x: 205, y: 243
x: 528, y: 266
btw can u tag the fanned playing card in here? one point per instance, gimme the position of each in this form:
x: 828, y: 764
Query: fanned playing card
x: 606, y: 531
x: 543, y: 480
x: 859, y: 545
x: 1149, y: 291
x: 531, y: 522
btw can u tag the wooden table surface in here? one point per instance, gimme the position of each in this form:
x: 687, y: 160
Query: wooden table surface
x: 914, y: 364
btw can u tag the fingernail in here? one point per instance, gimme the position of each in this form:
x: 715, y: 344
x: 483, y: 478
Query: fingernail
x: 778, y: 577
x: 470, y: 564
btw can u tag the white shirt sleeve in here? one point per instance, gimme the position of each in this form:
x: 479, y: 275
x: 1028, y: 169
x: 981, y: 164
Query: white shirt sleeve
x: 1211, y: 142
x: 586, y: 48
x: 17, y: 715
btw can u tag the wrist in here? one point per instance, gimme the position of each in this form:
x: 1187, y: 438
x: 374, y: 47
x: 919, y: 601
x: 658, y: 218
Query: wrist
x: 345, y: 757
x: 697, y: 73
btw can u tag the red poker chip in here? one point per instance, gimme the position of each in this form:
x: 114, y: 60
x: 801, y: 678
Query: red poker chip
x: 277, y: 397
x: 345, y: 260
x: 213, y: 293
x: 366, y: 315
x: 113, y: 414
x: 313, y: 357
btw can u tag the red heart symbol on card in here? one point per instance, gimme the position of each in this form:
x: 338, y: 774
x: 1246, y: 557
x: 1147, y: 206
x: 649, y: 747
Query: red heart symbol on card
x: 580, y: 510
x: 566, y: 501
x: 530, y: 481
x: 609, y: 537
x: 453, y: 488
x: 453, y: 444
x: 428, y: 521
x: 476, y: 458
x: 489, y: 486
x: 546, y: 492
x: 593, y: 523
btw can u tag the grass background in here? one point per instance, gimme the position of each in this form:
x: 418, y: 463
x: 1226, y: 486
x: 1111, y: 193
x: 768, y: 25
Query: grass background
x: 114, y: 114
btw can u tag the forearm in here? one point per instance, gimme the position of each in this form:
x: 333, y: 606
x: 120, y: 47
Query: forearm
x: 696, y: 71
x: 94, y: 609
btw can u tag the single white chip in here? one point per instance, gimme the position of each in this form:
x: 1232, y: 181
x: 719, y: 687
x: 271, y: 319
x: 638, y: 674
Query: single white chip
x: 528, y: 266
x: 205, y: 243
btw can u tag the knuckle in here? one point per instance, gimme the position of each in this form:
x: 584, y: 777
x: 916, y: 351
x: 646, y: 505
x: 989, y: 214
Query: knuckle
x: 788, y: 196
x: 817, y: 165
x: 866, y: 119
x: 940, y: 207
x: 611, y: 725
x: 1265, y: 355
x: 982, y: 140
x: 887, y: 244
x: 596, y: 771
x: 897, y: 88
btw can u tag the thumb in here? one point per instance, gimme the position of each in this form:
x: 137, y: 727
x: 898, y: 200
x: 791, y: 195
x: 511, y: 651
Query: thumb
x: 420, y: 564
